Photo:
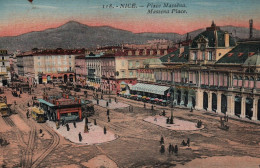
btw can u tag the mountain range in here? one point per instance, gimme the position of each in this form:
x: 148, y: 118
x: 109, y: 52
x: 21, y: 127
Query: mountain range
x: 76, y: 35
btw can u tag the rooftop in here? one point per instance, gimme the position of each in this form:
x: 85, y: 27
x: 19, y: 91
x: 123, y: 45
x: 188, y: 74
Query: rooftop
x: 241, y: 53
x: 58, y: 51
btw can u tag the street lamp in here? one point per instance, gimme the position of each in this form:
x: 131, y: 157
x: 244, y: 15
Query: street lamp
x: 109, y: 90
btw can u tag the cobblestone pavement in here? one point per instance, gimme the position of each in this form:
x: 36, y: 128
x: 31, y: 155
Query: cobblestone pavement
x: 138, y: 143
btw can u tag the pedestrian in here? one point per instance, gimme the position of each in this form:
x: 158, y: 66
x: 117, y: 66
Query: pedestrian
x: 107, y: 103
x: 68, y: 127
x: 95, y: 122
x: 108, y: 119
x: 176, y: 149
x: 62, y: 122
x: 162, y: 150
x: 40, y: 131
x: 162, y: 140
x: 188, y: 142
x: 80, y: 137
x: 27, y: 114
x: 74, y: 123
x: 107, y: 112
x: 115, y: 100
x: 170, y: 148
x: 152, y: 107
x: 86, y: 120
x: 144, y: 105
x: 183, y: 143
x: 97, y: 101
x: 163, y: 112
x: 28, y: 104
x: 105, y: 130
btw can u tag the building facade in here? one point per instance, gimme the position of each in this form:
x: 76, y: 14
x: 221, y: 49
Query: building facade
x: 5, y: 75
x: 223, y: 78
x: 43, y: 66
x: 81, y: 70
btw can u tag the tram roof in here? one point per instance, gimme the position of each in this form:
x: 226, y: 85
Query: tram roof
x: 45, y: 102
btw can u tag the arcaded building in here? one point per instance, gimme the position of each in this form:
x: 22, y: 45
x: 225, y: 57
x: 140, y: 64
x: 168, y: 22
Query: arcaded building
x: 213, y: 73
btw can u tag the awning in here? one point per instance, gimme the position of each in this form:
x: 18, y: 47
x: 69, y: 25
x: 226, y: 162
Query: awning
x: 45, y: 102
x: 150, y: 88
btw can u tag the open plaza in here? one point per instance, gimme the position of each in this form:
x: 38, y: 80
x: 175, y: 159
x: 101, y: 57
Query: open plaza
x: 136, y: 132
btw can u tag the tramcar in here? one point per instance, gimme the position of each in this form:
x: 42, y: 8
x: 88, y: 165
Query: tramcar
x: 4, y: 109
x: 38, y: 115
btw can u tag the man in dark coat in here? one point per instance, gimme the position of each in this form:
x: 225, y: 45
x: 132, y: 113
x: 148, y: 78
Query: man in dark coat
x: 162, y: 150
x: 162, y: 140
x: 105, y: 130
x: 80, y: 137
x: 108, y: 112
x: 170, y: 148
x: 176, y: 149
x: 188, y: 142
x: 68, y: 127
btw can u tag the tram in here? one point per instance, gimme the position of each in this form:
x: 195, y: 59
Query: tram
x: 4, y: 108
x: 38, y: 115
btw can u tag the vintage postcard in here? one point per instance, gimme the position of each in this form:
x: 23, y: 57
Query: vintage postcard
x: 129, y: 84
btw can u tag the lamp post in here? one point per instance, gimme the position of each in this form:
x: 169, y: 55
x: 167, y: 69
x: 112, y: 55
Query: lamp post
x: 171, y: 120
x: 109, y: 90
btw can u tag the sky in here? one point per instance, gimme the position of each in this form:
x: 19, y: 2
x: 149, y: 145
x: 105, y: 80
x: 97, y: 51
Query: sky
x: 20, y: 16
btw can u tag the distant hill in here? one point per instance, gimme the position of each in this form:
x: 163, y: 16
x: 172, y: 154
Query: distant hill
x: 76, y: 35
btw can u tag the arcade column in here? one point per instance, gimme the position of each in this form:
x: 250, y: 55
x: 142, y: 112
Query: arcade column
x: 175, y: 97
x: 182, y: 98
x: 243, y: 107
x: 255, y: 108
x: 230, y: 105
x: 219, y: 102
x: 209, y: 101
x: 199, y: 101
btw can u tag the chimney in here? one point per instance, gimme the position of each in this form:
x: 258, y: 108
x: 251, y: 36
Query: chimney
x: 251, y: 28
x: 226, y: 36
x: 216, y: 38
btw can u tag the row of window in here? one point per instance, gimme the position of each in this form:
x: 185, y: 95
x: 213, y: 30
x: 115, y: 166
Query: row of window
x: 54, y: 63
x: 53, y: 57
x: 133, y: 64
x: 54, y: 69
x: 203, y: 56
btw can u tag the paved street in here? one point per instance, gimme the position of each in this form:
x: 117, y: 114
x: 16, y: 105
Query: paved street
x: 137, y: 144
